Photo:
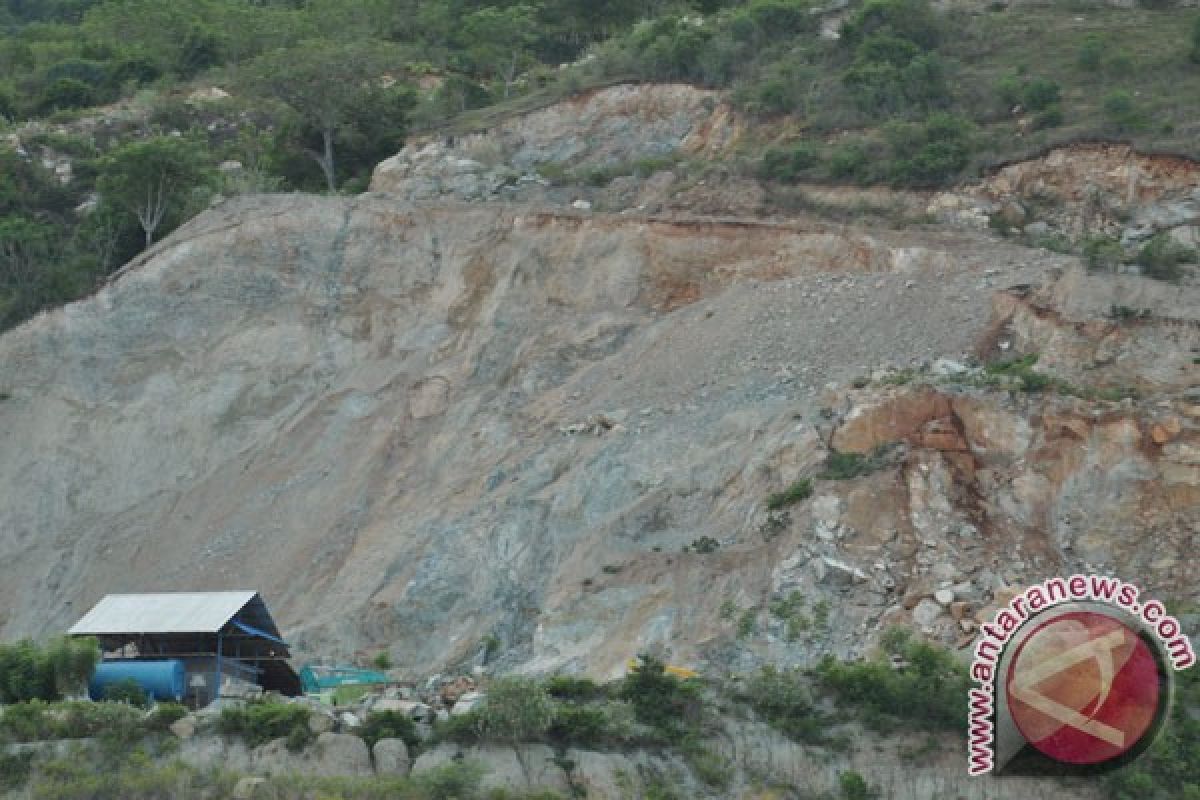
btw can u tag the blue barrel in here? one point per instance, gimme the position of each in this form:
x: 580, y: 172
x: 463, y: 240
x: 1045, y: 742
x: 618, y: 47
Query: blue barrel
x: 162, y: 680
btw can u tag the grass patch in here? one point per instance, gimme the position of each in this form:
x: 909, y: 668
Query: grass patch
x: 847, y: 466
x: 798, y: 492
x: 259, y: 723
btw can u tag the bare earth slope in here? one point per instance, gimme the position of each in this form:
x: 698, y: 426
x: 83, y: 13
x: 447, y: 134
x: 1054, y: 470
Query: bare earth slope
x: 418, y: 428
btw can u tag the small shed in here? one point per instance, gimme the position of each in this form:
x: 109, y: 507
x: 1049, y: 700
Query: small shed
x: 226, y: 641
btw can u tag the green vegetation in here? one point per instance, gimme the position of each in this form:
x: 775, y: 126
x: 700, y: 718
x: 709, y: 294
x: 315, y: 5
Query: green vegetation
x: 923, y: 690
x: 1171, y: 767
x: 127, y: 691
x: 1162, y: 256
x: 783, y: 698
x: 798, y: 492
x: 847, y: 466
x: 39, y: 721
x: 260, y: 722
x: 32, y: 672
x: 389, y: 725
x: 320, y: 91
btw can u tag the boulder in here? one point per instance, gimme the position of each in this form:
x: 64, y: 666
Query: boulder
x: 339, y: 754
x: 184, y: 728
x: 247, y: 787
x: 467, y: 703
x: 391, y: 757
x: 321, y: 722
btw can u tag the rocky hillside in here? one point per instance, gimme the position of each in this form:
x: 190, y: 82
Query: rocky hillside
x: 557, y: 429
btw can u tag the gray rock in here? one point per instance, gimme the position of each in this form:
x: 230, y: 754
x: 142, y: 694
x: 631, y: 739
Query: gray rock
x: 247, y: 787
x: 391, y: 757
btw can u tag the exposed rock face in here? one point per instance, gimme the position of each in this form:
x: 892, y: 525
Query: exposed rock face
x: 602, y: 128
x: 504, y: 422
x: 354, y: 406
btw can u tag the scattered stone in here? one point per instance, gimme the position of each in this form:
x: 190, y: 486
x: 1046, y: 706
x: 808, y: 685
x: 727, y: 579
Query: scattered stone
x: 944, y: 597
x: 926, y: 614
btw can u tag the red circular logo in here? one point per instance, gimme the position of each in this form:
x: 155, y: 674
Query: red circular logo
x: 1083, y: 688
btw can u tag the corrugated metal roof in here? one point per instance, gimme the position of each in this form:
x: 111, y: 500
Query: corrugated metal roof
x: 168, y: 612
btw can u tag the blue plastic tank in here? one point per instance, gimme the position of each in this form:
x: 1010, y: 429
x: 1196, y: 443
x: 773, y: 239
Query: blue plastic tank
x: 162, y: 680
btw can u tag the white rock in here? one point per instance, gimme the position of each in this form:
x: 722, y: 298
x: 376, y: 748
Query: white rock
x: 944, y: 597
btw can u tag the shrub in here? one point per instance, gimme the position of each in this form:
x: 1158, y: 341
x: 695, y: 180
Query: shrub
x: 382, y: 661
x: 1091, y: 52
x: 1020, y: 370
x: 64, y: 94
x: 853, y: 786
x: 661, y: 700
x: 931, y: 152
x: 1040, y: 94
x: 14, y: 770
x: 29, y: 672
x: 1122, y: 112
x: 578, y: 726
x: 705, y: 545
x: 913, y: 20
x: 517, y: 710
x: 799, y: 491
x: 926, y: 692
x: 259, y: 723
x: 574, y: 688
x: 783, y: 700
x: 1194, y: 53
x: 1162, y: 256
x: 1102, y: 253
x: 458, y: 780
x: 847, y: 466
x: 850, y: 161
x: 165, y: 715
x: 389, y: 725
x: 127, y: 691
x: 787, y: 164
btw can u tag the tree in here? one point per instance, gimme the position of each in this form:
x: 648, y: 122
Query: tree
x: 322, y: 83
x: 498, y: 40
x: 153, y: 180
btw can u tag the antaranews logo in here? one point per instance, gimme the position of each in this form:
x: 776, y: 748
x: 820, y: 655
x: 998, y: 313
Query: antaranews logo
x: 1076, y: 670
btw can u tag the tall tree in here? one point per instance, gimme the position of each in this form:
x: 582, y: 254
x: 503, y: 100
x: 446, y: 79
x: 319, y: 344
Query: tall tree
x: 153, y: 179
x: 499, y: 40
x: 322, y: 82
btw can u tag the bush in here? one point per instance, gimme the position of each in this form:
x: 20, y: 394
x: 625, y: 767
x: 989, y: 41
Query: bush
x: 458, y: 780
x: 259, y: 723
x: 1122, y: 112
x: 1161, y: 257
x: 929, y: 153
x: 164, y: 716
x: 1102, y: 253
x: 927, y: 692
x: 799, y: 491
x: 1040, y: 94
x: 29, y: 672
x: 850, y: 161
x: 783, y: 700
x: 14, y: 770
x: 913, y: 20
x: 127, y: 691
x: 787, y: 164
x: 669, y: 705
x: 1020, y: 370
x: 574, y: 688
x: 1194, y: 53
x: 853, y: 786
x: 847, y: 466
x: 389, y: 725
x: 517, y: 710
x: 1091, y: 52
